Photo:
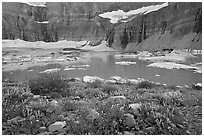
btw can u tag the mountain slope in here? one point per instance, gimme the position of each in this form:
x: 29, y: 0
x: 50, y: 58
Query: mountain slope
x: 173, y: 25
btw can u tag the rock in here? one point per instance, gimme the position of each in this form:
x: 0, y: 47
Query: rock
x: 14, y: 120
x: 135, y: 106
x: 54, y: 103
x: 28, y: 94
x: 128, y: 133
x: 76, y: 122
x: 129, y: 120
x: 198, y: 84
x: 145, y: 54
x: 150, y: 129
x: 43, y: 129
x: 110, y: 81
x: 77, y: 79
x: 44, y: 133
x: 53, y: 106
x: 171, y: 94
x: 50, y: 70
x: 56, y: 126
x: 118, y: 79
x: 77, y: 98
x: 181, y: 86
x: 186, y: 86
x: 133, y: 81
x: 82, y: 103
x: 36, y: 97
x: 92, y: 79
x: 93, y: 114
x: 118, y: 97
x: 61, y: 118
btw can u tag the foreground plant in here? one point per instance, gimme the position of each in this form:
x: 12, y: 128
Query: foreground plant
x: 99, y: 109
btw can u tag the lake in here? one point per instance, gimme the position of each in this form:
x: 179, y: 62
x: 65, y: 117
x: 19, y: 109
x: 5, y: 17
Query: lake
x: 103, y: 64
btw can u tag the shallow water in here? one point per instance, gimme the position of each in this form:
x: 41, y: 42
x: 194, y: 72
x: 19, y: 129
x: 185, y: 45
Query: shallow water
x: 103, y: 64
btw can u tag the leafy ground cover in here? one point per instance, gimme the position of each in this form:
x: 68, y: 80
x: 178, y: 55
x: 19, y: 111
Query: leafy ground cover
x: 53, y: 105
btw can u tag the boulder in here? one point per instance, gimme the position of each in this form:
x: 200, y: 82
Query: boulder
x: 144, y: 54
x: 54, y: 103
x: 135, y: 106
x: 61, y: 117
x: 110, y: 81
x: 129, y: 120
x: 57, y: 126
x: 36, y: 96
x: 43, y: 129
x: 128, y: 133
x: 54, y: 106
x: 118, y: 79
x: 92, y: 79
x: 133, y: 81
x: 93, y: 114
x: 198, y: 85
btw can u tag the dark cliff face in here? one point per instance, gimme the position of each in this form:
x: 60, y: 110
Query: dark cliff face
x: 178, y: 25
x: 80, y: 21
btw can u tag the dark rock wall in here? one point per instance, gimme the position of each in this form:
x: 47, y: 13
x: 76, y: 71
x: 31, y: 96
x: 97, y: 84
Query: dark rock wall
x: 80, y: 21
x: 177, y: 19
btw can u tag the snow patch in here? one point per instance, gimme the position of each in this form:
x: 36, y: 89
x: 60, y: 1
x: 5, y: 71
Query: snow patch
x: 43, y: 45
x: 198, y: 67
x: 43, y: 22
x: 125, y: 63
x: 198, y: 84
x: 50, y: 70
x: 170, y: 65
x: 60, y: 59
x: 120, y: 15
x: 36, y: 4
x: 69, y: 68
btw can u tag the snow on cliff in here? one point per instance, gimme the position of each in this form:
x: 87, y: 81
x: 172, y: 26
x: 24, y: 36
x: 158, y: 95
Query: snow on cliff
x: 120, y: 15
x: 36, y: 4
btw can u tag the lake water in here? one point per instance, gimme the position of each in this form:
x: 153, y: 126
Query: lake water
x: 103, y: 64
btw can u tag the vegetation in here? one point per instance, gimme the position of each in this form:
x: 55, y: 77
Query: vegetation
x: 49, y: 84
x: 101, y: 109
x: 146, y: 84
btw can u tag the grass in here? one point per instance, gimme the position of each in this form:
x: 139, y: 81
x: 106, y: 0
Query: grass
x: 49, y: 84
x: 146, y: 85
x: 95, y: 84
x: 90, y: 109
x: 108, y: 88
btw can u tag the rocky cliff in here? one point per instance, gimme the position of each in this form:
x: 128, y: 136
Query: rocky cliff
x: 177, y: 25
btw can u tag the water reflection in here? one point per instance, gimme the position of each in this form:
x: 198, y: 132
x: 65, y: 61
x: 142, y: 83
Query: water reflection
x: 103, y: 65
